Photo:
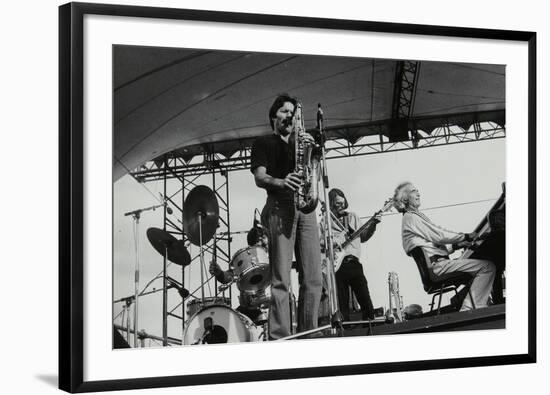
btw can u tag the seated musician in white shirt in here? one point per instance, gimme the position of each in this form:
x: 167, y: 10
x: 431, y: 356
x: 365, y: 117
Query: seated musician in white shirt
x: 419, y: 231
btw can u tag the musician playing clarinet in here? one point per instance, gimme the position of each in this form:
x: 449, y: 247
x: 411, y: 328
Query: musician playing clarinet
x: 350, y: 273
x: 289, y: 230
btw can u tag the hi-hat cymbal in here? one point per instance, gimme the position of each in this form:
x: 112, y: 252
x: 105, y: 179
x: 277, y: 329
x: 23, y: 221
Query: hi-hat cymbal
x: 200, y: 203
x: 177, y: 252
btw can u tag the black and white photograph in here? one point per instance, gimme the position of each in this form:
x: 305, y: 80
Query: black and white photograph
x: 288, y: 197
x: 245, y: 197
x: 264, y: 197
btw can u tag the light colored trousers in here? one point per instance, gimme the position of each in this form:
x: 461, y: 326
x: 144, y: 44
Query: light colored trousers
x: 484, y: 275
x: 291, y: 231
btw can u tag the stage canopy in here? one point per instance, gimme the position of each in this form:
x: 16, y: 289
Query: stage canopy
x: 181, y: 100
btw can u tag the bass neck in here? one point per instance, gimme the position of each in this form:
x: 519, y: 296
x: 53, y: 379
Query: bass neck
x: 358, y: 232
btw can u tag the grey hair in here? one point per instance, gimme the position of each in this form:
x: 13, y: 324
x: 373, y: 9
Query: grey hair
x: 401, y: 197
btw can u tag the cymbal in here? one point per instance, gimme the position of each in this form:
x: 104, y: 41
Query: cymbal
x: 177, y: 252
x: 200, y: 203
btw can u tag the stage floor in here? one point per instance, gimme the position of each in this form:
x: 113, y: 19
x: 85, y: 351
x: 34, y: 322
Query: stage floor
x: 493, y: 317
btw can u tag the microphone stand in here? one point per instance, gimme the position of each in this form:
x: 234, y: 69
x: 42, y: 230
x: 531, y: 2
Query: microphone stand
x: 136, y: 214
x: 336, y: 316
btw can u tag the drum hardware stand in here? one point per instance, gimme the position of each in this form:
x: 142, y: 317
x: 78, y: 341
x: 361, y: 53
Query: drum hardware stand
x: 127, y: 304
x: 164, y: 298
x: 192, y: 294
x: 180, y: 290
x: 127, y: 329
x: 126, y: 314
x: 263, y: 336
x: 201, y: 213
x: 136, y: 214
x: 223, y: 287
x: 215, y: 257
x: 201, y: 252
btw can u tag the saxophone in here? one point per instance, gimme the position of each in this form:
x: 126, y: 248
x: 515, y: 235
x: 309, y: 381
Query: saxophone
x: 307, y: 165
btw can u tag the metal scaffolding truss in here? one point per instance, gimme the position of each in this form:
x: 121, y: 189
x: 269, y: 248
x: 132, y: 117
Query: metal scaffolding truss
x: 445, y: 135
x: 218, y: 248
x: 405, y: 88
x: 342, y: 141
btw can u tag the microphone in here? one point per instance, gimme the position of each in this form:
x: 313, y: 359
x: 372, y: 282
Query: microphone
x: 165, y: 204
x: 320, y: 137
x: 184, y: 293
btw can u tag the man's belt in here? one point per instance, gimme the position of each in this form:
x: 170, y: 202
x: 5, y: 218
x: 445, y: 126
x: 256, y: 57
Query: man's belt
x: 437, y: 258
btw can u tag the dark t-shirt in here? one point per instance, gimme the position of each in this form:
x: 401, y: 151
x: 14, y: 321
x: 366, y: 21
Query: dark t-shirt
x: 277, y: 157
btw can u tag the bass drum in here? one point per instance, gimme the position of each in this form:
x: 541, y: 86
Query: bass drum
x: 227, y: 326
x: 197, y: 304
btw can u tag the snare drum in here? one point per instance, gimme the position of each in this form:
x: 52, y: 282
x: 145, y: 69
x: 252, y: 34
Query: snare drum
x: 196, y: 304
x: 251, y: 267
x: 227, y: 325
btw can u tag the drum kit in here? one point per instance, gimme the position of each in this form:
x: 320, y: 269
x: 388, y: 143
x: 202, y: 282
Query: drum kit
x: 251, y: 268
x: 211, y: 320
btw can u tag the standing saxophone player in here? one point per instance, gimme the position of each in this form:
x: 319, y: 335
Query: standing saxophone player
x: 289, y: 229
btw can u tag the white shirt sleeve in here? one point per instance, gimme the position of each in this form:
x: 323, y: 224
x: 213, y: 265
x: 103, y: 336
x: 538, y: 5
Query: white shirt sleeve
x: 429, y: 231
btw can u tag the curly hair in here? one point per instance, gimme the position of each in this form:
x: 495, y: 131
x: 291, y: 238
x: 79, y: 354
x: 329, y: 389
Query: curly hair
x: 278, y: 103
x: 401, y: 197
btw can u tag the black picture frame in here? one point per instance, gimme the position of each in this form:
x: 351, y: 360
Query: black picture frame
x: 71, y: 195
